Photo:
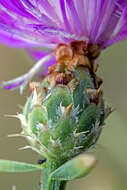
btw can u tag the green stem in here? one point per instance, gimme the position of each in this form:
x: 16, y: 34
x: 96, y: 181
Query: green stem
x: 63, y: 185
x: 47, y: 182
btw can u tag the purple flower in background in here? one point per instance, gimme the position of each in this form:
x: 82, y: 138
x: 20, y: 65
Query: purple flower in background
x: 44, y: 24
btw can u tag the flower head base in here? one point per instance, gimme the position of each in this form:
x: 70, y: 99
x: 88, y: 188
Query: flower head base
x: 45, y: 24
x: 55, y: 121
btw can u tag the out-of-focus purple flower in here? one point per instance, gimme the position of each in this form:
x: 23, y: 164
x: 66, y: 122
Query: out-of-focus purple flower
x: 46, y: 23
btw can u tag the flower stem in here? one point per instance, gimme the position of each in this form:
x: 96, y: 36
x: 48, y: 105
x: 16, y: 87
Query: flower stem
x: 47, y: 182
x: 63, y: 185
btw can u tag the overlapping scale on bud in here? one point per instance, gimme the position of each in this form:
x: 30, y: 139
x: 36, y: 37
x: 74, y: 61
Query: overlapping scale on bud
x: 65, y: 113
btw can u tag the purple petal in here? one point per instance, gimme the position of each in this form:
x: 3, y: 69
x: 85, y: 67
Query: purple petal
x: 74, y: 18
x: 42, y: 23
x: 108, y: 23
x: 37, y: 13
x: 56, y: 35
x: 64, y: 15
x: 15, y: 7
x: 21, y: 81
x: 82, y: 10
x: 120, y: 31
x: 13, y: 86
x: 49, y: 10
x: 108, y: 29
x: 37, y: 55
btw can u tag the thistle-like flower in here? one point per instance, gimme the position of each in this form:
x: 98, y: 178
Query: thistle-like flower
x: 65, y: 112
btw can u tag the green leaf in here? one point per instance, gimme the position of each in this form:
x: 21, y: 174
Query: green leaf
x: 75, y: 168
x: 13, y: 166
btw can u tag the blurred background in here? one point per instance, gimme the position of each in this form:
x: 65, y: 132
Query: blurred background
x: 111, y: 150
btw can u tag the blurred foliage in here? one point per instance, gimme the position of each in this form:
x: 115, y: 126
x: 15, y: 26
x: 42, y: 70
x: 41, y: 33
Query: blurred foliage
x: 111, y: 170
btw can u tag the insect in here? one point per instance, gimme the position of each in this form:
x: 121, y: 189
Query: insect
x: 41, y: 161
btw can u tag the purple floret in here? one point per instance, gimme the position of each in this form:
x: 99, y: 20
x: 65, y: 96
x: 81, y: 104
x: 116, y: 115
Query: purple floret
x: 46, y: 23
x: 15, y: 85
x: 42, y: 23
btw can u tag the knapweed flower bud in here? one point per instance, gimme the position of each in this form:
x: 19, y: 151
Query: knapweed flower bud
x: 65, y: 113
